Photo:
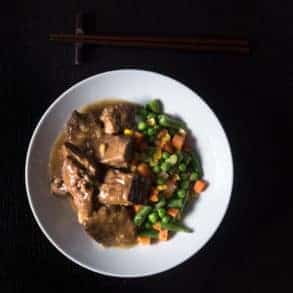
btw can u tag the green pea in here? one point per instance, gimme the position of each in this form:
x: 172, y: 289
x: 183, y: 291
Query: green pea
x: 156, y: 169
x: 148, y: 225
x: 165, y: 155
x: 194, y: 176
x: 151, y: 131
x: 181, y: 193
x: 153, y: 218
x: 185, y: 184
x: 161, y: 212
x: 172, y: 159
x: 184, y: 176
x: 141, y: 125
x: 161, y: 181
x: 155, y: 106
x: 182, y: 168
x: 166, y: 219
x: 151, y: 116
x: 165, y: 166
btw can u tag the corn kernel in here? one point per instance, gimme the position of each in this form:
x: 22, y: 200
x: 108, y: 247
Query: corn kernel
x: 157, y: 155
x: 151, y: 122
x: 128, y: 132
x: 162, y: 187
x: 102, y: 149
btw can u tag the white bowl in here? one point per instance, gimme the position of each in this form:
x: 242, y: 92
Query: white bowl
x: 56, y: 217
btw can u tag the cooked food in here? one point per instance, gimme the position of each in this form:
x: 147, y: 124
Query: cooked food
x: 113, y: 150
x: 120, y: 188
x: 129, y: 170
x: 117, y: 117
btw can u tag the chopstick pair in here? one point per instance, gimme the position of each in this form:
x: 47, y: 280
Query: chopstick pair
x: 240, y: 46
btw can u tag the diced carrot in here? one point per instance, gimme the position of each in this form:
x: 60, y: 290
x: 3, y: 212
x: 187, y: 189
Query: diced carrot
x: 199, y: 186
x: 144, y: 240
x: 162, y: 133
x: 154, y: 197
x: 173, y: 212
x: 137, y: 207
x: 163, y: 235
x: 178, y: 141
x: 168, y: 147
x: 157, y: 226
x: 144, y: 170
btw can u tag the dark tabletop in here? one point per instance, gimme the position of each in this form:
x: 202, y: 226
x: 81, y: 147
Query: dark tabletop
x: 249, y: 94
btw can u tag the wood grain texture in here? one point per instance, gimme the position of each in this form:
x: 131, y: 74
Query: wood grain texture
x: 251, y: 95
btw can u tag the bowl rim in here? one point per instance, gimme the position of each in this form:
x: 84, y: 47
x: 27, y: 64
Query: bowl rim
x: 28, y: 157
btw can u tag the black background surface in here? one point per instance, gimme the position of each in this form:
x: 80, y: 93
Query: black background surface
x: 250, y: 95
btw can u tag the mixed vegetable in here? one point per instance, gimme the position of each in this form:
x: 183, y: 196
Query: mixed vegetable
x: 164, y: 153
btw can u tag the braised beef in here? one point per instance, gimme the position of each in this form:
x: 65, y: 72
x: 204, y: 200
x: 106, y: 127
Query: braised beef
x: 118, y: 117
x: 114, y: 150
x: 58, y: 187
x: 85, y: 160
x: 80, y: 186
x: 82, y: 127
x: 120, y: 188
x: 112, y: 226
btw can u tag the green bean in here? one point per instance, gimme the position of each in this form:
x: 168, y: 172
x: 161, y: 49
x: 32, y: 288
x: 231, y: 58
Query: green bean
x: 172, y: 131
x: 180, y: 156
x: 142, y: 112
x: 155, y: 106
x: 196, y: 165
x: 185, y: 200
x: 141, y: 125
x: 166, y: 219
x: 175, y: 203
x: 187, y: 158
x: 175, y: 227
x: 168, y: 121
x: 149, y: 233
x: 153, y: 218
x: 172, y: 159
x: 161, y: 212
x: 142, y: 214
x: 161, y: 203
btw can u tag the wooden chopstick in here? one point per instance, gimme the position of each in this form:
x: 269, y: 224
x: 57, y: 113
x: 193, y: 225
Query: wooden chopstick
x: 184, y: 43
